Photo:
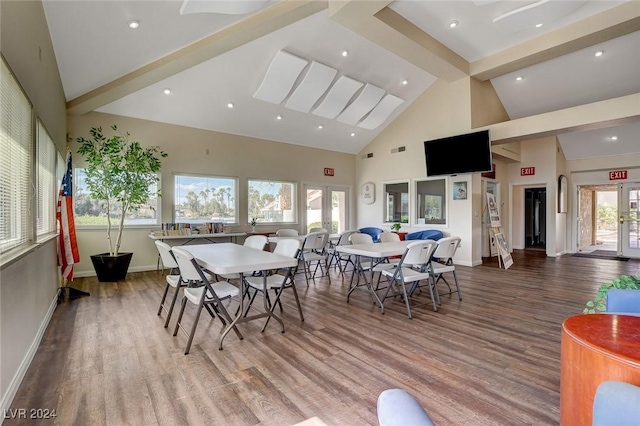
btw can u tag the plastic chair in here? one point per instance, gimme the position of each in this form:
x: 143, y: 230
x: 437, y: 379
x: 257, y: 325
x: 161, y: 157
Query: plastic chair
x: 616, y: 404
x: 208, y: 295
x: 334, y: 255
x: 373, y: 231
x: 314, y: 250
x: 428, y: 234
x: 442, y: 263
x: 389, y: 237
x: 414, y: 266
x: 286, y: 233
x: 277, y: 281
x: 396, y: 407
x: 623, y: 301
x: 173, y: 279
x: 257, y: 242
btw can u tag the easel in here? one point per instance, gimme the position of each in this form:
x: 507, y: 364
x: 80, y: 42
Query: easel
x: 497, y: 244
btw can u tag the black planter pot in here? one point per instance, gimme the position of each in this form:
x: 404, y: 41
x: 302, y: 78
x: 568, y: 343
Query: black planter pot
x: 111, y: 268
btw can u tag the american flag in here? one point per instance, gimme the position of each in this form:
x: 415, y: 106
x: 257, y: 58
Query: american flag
x: 68, y: 246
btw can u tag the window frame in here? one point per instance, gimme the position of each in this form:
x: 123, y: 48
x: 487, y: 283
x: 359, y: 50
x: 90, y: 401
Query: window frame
x: 385, y: 203
x: 19, y: 217
x: 76, y: 198
x: 46, y: 198
x: 445, y: 201
x: 295, y: 187
x: 236, y: 190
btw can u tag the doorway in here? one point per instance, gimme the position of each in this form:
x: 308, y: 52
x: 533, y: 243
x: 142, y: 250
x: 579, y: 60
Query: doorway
x: 535, y: 218
x: 598, y: 218
x: 326, y: 207
x: 629, y: 219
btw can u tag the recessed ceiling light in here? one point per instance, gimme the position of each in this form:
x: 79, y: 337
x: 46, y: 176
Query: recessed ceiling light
x: 278, y: 117
x: 345, y: 53
x: 599, y: 53
x: 405, y: 82
x: 353, y: 134
x: 229, y: 105
x: 320, y: 126
x: 454, y: 23
x: 166, y: 91
x: 613, y: 138
x: 538, y: 25
x: 519, y: 78
x: 133, y: 24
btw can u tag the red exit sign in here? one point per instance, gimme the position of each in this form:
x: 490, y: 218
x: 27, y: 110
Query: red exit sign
x: 617, y: 174
x: 328, y: 171
x: 527, y: 171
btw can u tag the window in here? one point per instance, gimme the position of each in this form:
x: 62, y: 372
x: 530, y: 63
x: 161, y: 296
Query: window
x: 272, y: 202
x: 16, y: 145
x: 92, y: 212
x: 200, y: 199
x: 396, y: 205
x: 47, y: 199
x: 431, y: 202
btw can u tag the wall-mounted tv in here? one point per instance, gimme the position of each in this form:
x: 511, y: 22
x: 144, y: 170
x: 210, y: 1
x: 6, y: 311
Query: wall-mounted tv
x: 468, y: 153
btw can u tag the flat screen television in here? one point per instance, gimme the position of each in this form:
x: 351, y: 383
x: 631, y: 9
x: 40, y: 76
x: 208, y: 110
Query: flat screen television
x: 468, y: 153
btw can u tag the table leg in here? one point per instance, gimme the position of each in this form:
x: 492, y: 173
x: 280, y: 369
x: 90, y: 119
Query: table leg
x: 369, y: 285
x: 239, y: 315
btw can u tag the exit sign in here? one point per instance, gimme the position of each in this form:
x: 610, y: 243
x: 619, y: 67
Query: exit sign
x: 328, y: 171
x: 527, y: 171
x: 617, y: 174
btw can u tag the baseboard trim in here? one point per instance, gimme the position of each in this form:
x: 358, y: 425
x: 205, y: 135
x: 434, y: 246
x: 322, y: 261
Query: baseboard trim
x: 7, y: 398
x: 92, y: 273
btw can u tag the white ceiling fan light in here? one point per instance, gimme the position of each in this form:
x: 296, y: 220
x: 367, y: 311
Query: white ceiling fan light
x: 365, y: 102
x: 280, y: 77
x: 314, y: 84
x: 226, y: 7
x: 527, y: 17
x: 381, y: 112
x: 338, y: 97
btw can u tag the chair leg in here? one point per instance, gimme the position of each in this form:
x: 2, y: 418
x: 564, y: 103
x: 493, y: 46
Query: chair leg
x: 455, y: 277
x: 173, y: 302
x: 184, y: 303
x: 164, y: 296
x: 406, y: 298
x: 195, y: 324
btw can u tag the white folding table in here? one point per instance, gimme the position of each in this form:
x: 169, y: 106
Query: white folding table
x: 374, y: 251
x: 229, y: 258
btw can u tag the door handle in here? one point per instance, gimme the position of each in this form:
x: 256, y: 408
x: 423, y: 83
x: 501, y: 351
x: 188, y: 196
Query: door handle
x: 621, y: 219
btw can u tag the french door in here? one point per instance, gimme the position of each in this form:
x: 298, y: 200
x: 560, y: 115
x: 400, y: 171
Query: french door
x: 629, y: 217
x: 326, y: 207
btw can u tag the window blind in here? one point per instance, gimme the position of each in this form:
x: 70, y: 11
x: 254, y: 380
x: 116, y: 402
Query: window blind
x: 16, y: 148
x: 47, y: 199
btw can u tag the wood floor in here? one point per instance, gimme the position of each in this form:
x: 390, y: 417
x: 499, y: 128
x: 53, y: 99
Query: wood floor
x: 492, y: 359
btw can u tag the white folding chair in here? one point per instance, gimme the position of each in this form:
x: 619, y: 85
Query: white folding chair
x: 286, y: 233
x: 335, y: 256
x: 173, y: 279
x: 389, y: 237
x: 277, y: 281
x: 414, y: 266
x: 257, y: 242
x: 442, y: 263
x: 314, y: 250
x: 208, y: 295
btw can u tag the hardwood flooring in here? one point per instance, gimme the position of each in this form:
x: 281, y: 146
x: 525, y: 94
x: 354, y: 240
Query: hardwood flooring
x: 491, y: 359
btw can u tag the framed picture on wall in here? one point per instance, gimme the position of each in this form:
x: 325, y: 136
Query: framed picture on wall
x: 368, y: 193
x: 460, y: 190
x: 562, y: 194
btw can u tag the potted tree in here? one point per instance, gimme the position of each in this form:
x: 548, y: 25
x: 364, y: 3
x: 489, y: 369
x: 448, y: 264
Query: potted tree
x: 120, y: 174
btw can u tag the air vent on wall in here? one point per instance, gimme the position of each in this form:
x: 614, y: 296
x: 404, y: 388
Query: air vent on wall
x: 368, y: 155
x: 399, y: 149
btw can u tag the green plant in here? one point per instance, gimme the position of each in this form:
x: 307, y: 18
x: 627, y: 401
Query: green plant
x: 396, y: 227
x: 119, y: 173
x: 253, y: 221
x: 599, y: 303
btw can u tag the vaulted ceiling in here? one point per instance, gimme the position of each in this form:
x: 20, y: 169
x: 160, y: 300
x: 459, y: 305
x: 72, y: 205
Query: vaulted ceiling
x: 215, y: 67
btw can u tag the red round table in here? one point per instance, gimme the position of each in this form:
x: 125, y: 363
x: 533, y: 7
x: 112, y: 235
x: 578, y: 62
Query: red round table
x: 595, y: 348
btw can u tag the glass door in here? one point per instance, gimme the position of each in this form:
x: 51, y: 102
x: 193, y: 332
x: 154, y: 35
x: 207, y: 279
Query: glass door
x: 630, y: 219
x: 326, y: 207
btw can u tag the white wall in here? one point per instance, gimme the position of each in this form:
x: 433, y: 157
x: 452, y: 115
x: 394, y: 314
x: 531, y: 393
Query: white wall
x: 29, y: 278
x: 228, y: 155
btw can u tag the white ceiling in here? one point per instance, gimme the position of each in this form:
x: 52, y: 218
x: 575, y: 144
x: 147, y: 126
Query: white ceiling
x: 94, y: 47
